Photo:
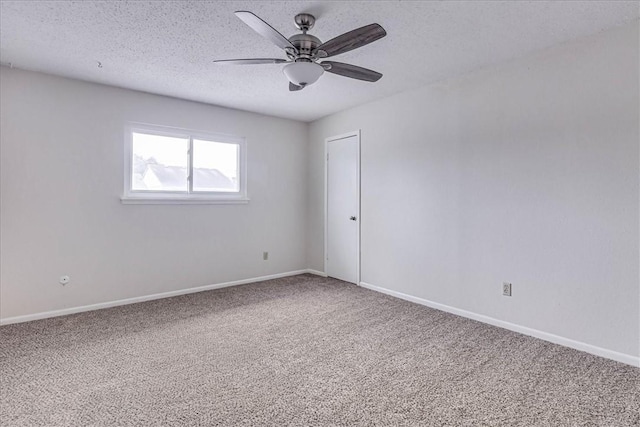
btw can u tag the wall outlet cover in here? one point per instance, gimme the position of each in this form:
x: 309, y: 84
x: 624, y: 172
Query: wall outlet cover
x: 506, y: 289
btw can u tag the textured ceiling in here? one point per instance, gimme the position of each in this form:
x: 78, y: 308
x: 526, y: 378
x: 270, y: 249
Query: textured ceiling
x: 168, y: 47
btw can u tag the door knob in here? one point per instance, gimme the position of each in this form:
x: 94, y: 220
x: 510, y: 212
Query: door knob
x: 353, y: 218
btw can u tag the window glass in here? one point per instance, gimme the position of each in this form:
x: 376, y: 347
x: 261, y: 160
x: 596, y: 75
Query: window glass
x: 215, y: 166
x: 160, y: 163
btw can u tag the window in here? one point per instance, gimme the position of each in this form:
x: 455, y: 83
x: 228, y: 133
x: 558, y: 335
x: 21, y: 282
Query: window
x: 168, y: 165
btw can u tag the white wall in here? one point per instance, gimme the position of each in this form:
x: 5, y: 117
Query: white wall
x: 62, y: 175
x: 526, y: 172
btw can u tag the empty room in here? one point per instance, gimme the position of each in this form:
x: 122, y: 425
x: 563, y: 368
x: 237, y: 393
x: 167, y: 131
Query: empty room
x: 319, y: 213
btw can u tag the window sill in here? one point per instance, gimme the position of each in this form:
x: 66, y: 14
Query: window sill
x: 134, y: 200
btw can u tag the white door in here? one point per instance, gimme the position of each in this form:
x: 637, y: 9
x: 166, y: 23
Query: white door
x: 343, y: 208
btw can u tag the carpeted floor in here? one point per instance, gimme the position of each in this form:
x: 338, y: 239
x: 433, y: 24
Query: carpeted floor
x: 299, y: 351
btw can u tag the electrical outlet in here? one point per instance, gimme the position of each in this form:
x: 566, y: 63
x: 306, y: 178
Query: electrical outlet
x: 265, y: 256
x: 506, y: 289
x: 64, y: 280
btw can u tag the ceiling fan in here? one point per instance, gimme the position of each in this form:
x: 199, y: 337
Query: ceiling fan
x: 304, y: 51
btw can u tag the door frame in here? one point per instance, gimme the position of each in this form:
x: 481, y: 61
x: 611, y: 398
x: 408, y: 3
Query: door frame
x: 356, y: 133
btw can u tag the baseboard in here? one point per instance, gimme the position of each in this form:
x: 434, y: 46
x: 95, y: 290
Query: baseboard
x: 577, y: 345
x: 98, y: 306
x: 317, y: 272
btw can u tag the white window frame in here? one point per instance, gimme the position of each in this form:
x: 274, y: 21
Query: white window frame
x: 131, y: 196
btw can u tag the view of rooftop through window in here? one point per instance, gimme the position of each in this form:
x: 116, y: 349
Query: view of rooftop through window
x: 161, y: 163
x: 212, y: 158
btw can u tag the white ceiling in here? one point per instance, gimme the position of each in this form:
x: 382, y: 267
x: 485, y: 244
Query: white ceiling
x: 168, y: 47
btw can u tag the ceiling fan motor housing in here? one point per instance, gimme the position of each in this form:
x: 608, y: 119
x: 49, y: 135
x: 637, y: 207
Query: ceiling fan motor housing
x: 305, y: 43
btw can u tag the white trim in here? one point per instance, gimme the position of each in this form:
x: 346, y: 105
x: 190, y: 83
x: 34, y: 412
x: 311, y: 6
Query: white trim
x: 101, y: 305
x: 567, y: 342
x: 317, y: 272
x: 175, y: 200
x: 356, y: 133
x: 326, y: 204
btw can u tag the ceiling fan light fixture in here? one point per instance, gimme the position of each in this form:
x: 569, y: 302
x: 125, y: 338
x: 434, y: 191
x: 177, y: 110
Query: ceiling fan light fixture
x: 303, y: 73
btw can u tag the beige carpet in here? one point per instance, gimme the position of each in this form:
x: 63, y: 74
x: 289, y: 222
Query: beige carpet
x: 299, y: 351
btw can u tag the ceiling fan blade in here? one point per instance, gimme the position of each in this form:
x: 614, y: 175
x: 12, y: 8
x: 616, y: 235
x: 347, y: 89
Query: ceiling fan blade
x: 250, y: 61
x: 351, y: 40
x: 353, y: 71
x: 264, y: 29
x: 293, y: 87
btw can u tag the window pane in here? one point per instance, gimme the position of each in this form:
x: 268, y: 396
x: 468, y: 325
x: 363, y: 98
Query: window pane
x: 159, y: 163
x: 215, y: 166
